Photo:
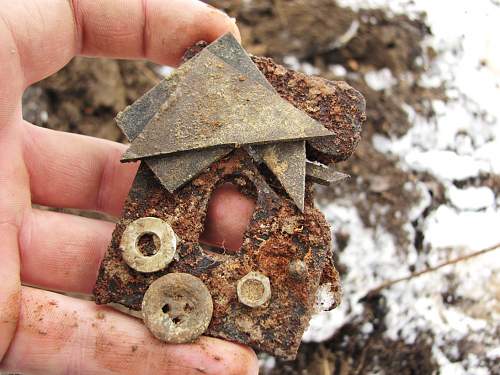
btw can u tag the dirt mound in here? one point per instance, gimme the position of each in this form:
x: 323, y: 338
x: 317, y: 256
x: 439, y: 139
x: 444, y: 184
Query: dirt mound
x: 322, y: 32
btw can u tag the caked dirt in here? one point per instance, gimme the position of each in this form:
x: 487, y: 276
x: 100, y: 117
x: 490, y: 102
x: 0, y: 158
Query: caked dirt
x: 86, y: 95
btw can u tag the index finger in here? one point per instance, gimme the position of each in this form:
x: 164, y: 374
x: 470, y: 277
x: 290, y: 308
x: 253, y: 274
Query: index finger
x: 46, y: 34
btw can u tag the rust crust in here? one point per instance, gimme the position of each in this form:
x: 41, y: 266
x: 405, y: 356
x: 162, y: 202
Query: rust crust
x: 278, y: 234
x: 339, y: 107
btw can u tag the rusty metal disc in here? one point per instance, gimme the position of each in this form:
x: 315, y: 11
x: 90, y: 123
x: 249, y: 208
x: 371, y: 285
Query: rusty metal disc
x: 177, y: 308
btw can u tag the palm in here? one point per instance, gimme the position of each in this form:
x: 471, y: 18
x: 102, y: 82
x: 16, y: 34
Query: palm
x: 44, y: 332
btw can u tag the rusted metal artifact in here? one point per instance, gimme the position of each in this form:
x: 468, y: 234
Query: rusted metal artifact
x: 224, y: 116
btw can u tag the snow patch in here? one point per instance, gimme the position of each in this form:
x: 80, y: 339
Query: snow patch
x: 461, y: 144
x: 380, y: 79
x: 449, y: 227
x: 305, y: 67
x: 165, y: 70
x: 324, y: 297
x: 471, y: 198
x: 370, y: 256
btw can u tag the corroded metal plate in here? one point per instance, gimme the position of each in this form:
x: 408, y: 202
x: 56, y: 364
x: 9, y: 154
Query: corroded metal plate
x: 277, y: 235
x: 263, y: 294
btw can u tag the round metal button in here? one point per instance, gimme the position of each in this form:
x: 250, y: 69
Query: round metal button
x: 177, y: 308
x: 130, y: 244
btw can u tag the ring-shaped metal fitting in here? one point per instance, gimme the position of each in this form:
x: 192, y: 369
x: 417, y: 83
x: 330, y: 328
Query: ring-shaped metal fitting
x: 254, y: 289
x: 130, y: 244
x: 177, y: 308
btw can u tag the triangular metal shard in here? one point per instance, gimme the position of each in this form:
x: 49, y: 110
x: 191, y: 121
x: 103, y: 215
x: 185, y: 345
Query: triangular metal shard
x: 324, y: 175
x: 175, y: 170
x: 135, y: 117
x: 287, y: 161
x: 228, y: 49
x: 215, y: 105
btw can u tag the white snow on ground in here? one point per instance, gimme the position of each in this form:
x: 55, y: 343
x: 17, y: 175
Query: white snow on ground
x: 381, y: 79
x: 305, y: 67
x: 368, y: 256
x: 165, y: 70
x: 471, y: 198
x: 462, y: 143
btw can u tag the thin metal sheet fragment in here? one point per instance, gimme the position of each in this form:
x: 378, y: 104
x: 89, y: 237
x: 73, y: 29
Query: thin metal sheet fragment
x: 288, y: 164
x: 227, y: 48
x: 324, y: 175
x: 175, y: 170
x: 172, y: 171
x: 133, y: 119
x: 215, y: 105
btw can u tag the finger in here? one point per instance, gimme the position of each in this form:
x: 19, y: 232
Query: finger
x: 61, y: 335
x: 14, y: 202
x: 62, y: 252
x: 70, y: 170
x: 11, y: 284
x: 10, y: 105
x: 48, y: 33
x: 228, y: 215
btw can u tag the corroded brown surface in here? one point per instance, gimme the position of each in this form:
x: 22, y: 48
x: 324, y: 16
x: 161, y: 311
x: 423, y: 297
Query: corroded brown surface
x: 339, y: 107
x: 277, y: 235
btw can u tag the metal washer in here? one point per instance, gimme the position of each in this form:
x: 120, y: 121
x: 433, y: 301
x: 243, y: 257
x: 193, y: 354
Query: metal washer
x: 130, y: 249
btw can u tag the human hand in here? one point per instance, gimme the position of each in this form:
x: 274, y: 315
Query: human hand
x: 43, y: 332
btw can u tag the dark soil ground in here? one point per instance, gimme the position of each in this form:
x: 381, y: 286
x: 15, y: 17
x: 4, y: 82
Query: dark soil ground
x: 86, y: 95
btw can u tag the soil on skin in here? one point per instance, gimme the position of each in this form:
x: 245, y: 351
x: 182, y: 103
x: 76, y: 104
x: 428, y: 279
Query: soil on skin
x: 86, y: 95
